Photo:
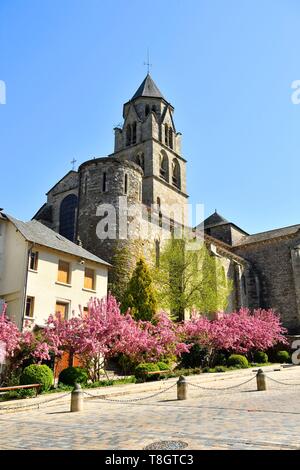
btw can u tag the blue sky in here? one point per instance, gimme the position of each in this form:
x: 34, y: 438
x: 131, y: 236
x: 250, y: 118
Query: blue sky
x: 225, y: 65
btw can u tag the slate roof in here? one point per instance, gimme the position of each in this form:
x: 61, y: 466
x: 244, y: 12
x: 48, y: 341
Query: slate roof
x: 148, y: 88
x: 214, y: 219
x: 35, y: 232
x: 269, y: 235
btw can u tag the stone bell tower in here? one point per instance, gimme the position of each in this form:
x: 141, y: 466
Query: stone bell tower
x: 149, y: 138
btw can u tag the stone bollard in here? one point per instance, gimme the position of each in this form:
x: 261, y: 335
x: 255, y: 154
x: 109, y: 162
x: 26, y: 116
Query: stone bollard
x: 261, y: 380
x: 77, y: 398
x: 182, y: 388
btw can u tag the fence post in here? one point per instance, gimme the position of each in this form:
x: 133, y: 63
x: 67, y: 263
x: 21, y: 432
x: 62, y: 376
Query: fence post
x: 261, y: 380
x: 182, y: 388
x: 77, y: 398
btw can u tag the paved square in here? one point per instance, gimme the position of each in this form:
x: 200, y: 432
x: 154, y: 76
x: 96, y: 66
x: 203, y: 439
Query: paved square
x: 235, y: 418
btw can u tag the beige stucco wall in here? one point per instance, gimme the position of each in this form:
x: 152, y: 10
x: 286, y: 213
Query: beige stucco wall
x: 44, y: 287
x: 13, y: 263
x: 42, y: 284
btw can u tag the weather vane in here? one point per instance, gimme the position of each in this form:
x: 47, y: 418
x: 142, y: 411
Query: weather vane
x: 148, y: 61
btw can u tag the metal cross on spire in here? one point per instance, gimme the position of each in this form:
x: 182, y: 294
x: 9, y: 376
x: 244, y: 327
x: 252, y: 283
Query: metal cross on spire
x: 148, y: 62
x: 73, y: 163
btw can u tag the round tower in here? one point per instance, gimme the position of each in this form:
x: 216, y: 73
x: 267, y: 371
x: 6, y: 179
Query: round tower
x: 105, y: 184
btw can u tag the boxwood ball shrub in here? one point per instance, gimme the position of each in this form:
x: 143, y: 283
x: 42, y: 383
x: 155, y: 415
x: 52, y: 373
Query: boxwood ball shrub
x: 142, y: 369
x: 37, y: 374
x: 238, y: 360
x: 282, y: 356
x: 72, y: 375
x: 260, y: 357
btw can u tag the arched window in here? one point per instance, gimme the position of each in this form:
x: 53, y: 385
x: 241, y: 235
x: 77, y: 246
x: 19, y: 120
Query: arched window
x: 154, y: 108
x: 126, y: 184
x: 134, y: 133
x: 176, y: 173
x: 166, y: 134
x: 164, y: 166
x: 171, y: 137
x: 128, y: 134
x: 104, y: 182
x: 147, y: 109
x: 158, y: 202
x: 67, y: 216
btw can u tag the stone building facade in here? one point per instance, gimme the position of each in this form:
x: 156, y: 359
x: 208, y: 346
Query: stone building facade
x: 147, y: 169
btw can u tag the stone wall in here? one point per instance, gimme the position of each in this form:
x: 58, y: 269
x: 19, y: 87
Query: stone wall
x: 278, y: 276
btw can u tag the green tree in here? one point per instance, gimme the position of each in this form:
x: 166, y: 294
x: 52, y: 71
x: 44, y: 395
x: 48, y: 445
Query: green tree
x: 140, y: 295
x: 188, y: 277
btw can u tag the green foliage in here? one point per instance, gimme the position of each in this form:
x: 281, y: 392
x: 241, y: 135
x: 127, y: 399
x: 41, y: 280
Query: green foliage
x: 72, y: 375
x: 37, y: 374
x: 140, y: 295
x: 219, y: 359
x: 220, y: 369
x: 196, y: 357
x: 190, y: 278
x: 162, y: 366
x: 260, y: 357
x: 238, y: 360
x: 282, y: 357
x: 142, y: 369
x: 124, y: 261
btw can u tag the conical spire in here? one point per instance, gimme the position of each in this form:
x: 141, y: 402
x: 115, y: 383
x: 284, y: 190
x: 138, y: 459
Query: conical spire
x: 148, y: 89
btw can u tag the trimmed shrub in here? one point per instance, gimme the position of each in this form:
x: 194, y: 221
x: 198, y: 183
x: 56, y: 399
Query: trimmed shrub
x: 73, y: 375
x: 196, y: 357
x: 162, y: 366
x: 220, y: 369
x: 260, y: 357
x: 37, y: 374
x: 238, y: 360
x: 282, y: 356
x: 142, y: 369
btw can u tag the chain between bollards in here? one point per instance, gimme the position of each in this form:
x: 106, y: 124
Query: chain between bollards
x: 261, y: 380
x: 77, y: 398
x: 182, y: 388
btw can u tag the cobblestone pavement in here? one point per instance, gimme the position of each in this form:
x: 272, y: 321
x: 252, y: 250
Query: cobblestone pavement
x: 236, y: 418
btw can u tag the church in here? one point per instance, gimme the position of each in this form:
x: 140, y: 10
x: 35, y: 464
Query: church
x: 148, y: 169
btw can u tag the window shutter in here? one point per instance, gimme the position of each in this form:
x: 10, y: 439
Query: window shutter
x: 89, y: 275
x: 63, y: 272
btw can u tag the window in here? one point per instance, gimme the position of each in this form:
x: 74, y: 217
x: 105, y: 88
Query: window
x: 166, y: 135
x: 85, y: 312
x: 128, y: 134
x: 176, y: 173
x: 67, y: 216
x: 29, y: 309
x: 62, y: 309
x: 63, y: 274
x: 154, y: 108
x: 134, y: 133
x: 140, y: 160
x: 171, y: 137
x: 126, y: 184
x: 147, y: 109
x: 104, y: 183
x: 33, y: 260
x: 164, y: 166
x: 140, y: 192
x: 89, y: 279
x: 158, y: 202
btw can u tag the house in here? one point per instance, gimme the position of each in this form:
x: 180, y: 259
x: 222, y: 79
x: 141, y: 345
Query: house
x: 42, y: 272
